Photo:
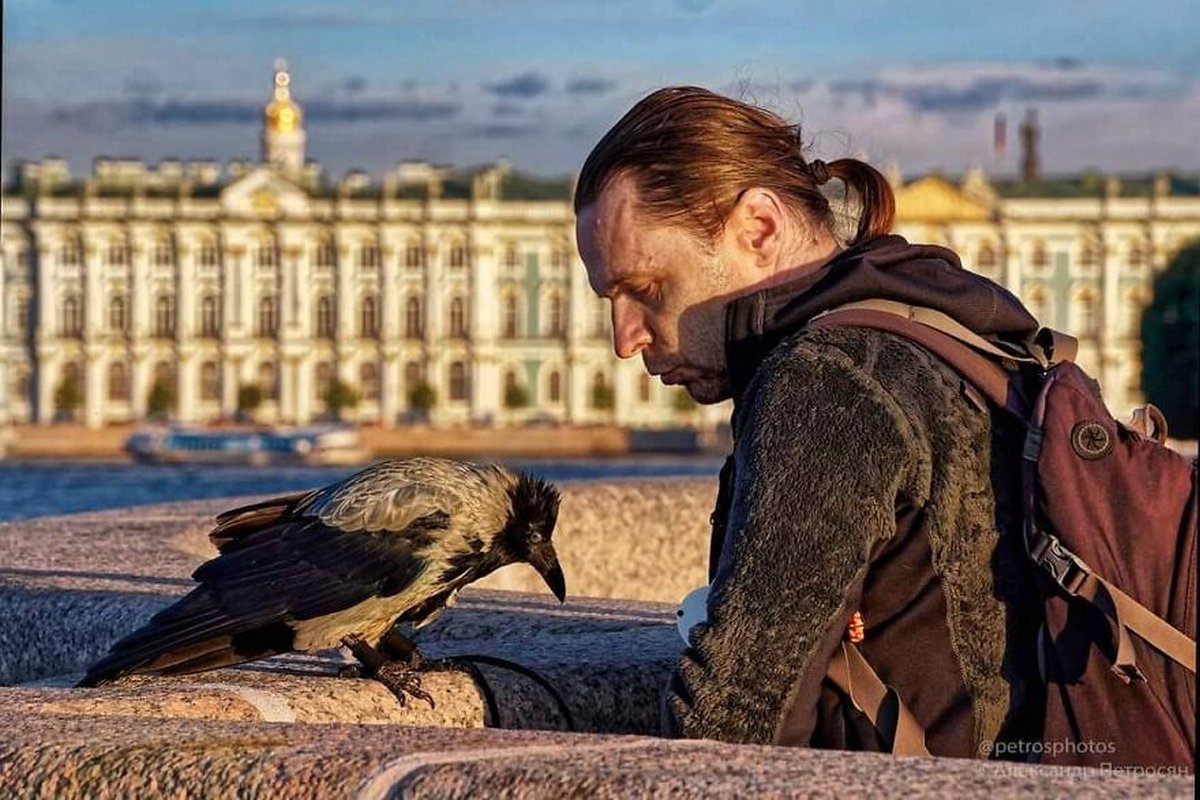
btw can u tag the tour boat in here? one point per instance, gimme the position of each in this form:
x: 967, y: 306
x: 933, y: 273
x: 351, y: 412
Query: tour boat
x: 313, y: 445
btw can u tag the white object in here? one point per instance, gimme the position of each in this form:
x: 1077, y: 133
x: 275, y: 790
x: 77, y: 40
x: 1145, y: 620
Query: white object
x: 691, y: 612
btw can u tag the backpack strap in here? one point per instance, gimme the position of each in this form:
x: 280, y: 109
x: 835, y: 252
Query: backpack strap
x: 1124, y: 613
x: 912, y: 323
x: 851, y: 673
x: 963, y: 350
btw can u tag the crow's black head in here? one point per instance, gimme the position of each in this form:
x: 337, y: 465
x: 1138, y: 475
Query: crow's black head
x: 530, y: 525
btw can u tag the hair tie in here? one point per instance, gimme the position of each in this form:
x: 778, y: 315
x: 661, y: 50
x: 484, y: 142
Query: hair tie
x: 819, y: 170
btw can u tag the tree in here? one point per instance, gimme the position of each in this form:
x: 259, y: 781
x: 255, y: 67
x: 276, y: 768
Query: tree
x: 682, y: 402
x: 161, y: 400
x: 250, y: 397
x: 340, y: 396
x: 68, y: 397
x: 603, y: 397
x: 421, y: 399
x: 516, y: 396
x: 1171, y: 344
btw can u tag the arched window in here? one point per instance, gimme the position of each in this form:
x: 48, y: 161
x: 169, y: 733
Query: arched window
x: 413, y: 375
x: 458, y: 256
x: 325, y: 317
x: 164, y: 374
x: 1137, y: 256
x: 600, y: 317
x: 369, y: 256
x: 210, y: 317
x: 368, y: 317
x: 985, y: 260
x: 368, y: 380
x: 414, y: 326
x: 323, y: 376
x: 118, y: 381
x: 1039, y: 259
x: 267, y: 380
x: 267, y: 253
x: 118, y: 253
x: 21, y: 384
x: 22, y: 313
x: 1087, y: 254
x: 509, y: 317
x: 458, y: 318
x: 602, y: 394
x: 326, y: 256
x: 644, y: 387
x: 268, y: 316
x: 210, y: 381
x: 164, y: 316
x: 554, y: 388
x: 164, y: 251
x: 72, y: 316
x: 559, y: 257
x: 414, y: 254
x: 511, y: 256
x: 1085, y: 304
x: 70, y: 253
x: 208, y: 253
x: 1038, y: 305
x: 458, y: 381
x: 118, y: 314
x: 1135, y: 304
x: 557, y: 318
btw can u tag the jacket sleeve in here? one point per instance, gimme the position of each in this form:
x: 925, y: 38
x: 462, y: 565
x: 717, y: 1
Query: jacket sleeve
x: 823, y: 456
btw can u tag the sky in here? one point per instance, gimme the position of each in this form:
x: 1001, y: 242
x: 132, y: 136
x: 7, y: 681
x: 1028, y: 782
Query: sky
x: 1116, y: 83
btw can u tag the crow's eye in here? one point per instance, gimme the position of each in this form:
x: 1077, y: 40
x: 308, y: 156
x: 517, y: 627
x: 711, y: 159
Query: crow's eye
x: 535, y: 537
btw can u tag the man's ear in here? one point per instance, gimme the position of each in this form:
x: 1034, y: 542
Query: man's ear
x: 757, y: 220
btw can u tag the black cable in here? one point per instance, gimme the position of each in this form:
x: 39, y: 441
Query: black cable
x: 514, y: 667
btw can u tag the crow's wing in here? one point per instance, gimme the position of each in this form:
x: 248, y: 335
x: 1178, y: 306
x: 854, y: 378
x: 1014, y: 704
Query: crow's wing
x: 295, y: 569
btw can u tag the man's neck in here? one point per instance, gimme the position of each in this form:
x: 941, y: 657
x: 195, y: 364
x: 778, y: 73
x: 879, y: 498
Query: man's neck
x: 802, y: 261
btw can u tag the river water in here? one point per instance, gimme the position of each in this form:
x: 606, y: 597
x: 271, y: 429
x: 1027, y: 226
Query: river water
x: 38, y: 488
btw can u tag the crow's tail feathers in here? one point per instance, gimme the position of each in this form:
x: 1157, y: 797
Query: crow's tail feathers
x: 193, y: 635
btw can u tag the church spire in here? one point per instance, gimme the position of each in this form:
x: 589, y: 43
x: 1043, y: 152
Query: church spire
x: 283, y: 126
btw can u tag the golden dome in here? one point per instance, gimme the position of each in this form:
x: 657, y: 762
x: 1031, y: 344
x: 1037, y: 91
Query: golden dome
x: 282, y: 115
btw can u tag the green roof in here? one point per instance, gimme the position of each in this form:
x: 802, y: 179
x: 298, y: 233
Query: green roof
x: 520, y: 186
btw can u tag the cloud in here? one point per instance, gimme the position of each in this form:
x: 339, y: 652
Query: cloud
x: 305, y: 18
x: 590, y: 85
x: 521, y: 87
x: 110, y: 114
x: 354, y: 84
x: 504, y: 108
x: 971, y: 88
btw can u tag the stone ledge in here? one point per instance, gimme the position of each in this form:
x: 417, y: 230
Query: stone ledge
x: 50, y: 755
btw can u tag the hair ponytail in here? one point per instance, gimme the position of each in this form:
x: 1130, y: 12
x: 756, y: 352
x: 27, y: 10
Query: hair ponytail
x: 876, y: 201
x: 691, y: 152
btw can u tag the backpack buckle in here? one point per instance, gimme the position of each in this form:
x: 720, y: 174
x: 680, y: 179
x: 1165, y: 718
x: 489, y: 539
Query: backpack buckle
x: 1066, y: 568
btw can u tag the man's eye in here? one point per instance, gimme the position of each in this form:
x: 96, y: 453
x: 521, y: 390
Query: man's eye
x: 651, y: 292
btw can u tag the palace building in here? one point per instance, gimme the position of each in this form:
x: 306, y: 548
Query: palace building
x: 457, y: 295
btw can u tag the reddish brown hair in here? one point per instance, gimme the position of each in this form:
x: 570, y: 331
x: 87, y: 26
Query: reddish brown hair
x: 692, y: 152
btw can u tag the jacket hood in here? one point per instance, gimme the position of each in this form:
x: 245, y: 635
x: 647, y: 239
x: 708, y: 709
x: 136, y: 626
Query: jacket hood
x: 883, y: 268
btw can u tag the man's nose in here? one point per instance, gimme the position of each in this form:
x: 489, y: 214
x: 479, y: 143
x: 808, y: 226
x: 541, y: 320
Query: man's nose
x: 631, y: 334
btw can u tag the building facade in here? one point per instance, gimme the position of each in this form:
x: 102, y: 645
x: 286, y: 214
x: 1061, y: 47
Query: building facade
x: 185, y: 289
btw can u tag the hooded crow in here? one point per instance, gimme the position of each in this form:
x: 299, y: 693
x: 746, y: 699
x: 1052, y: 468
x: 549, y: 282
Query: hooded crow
x: 343, y: 564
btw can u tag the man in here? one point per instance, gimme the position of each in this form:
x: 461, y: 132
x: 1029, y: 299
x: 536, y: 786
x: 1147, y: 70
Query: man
x: 861, y: 478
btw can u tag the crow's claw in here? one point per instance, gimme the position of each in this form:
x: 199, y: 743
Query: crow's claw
x: 403, y: 682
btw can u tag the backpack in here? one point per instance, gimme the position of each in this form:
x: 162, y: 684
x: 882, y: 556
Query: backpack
x: 1109, y: 527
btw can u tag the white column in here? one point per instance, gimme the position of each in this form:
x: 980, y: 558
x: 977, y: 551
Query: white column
x: 94, y: 395
x: 46, y: 331
x: 187, y: 369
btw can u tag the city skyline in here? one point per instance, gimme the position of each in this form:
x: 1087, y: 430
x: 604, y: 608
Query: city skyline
x: 479, y: 80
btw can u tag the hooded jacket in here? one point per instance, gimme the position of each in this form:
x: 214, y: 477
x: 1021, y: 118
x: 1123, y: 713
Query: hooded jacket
x: 863, y: 478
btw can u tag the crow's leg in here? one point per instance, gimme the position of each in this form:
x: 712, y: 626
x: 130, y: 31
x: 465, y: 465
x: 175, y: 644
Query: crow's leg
x: 395, y: 646
x: 401, y: 679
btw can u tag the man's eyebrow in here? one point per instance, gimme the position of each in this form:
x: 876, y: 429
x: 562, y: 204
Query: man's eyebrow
x: 623, y: 282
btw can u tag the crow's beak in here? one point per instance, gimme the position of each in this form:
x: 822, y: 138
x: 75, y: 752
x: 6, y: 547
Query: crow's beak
x: 545, y: 561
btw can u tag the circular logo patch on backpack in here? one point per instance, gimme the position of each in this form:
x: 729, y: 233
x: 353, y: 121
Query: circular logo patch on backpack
x: 1091, y: 440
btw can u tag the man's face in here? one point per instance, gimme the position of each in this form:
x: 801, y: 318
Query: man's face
x: 668, y: 290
